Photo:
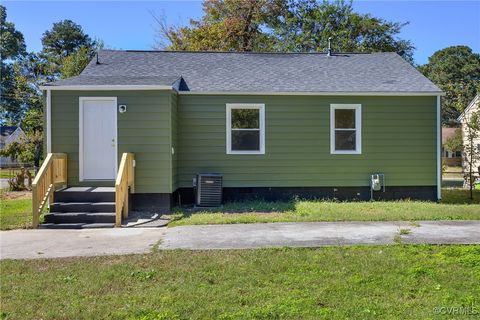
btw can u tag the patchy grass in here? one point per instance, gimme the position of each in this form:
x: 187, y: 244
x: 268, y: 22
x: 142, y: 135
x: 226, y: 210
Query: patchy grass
x: 9, y: 173
x: 358, y: 282
x: 15, y: 209
x: 454, y: 206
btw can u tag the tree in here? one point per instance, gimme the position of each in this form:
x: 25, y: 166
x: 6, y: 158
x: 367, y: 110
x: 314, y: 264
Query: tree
x: 455, y: 142
x: 74, y: 64
x: 283, y: 26
x: 306, y: 26
x: 230, y: 25
x: 66, y: 38
x: 471, y: 151
x: 12, y: 47
x: 455, y: 70
x: 12, y: 43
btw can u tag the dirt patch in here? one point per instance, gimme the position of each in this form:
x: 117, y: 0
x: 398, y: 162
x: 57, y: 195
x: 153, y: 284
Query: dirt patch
x: 15, y: 195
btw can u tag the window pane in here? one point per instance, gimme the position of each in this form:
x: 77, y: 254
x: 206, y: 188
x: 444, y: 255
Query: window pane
x: 345, y: 140
x: 345, y: 118
x: 245, y: 140
x: 245, y: 118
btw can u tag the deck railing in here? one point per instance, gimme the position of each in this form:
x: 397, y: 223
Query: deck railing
x: 125, y: 180
x: 52, y: 173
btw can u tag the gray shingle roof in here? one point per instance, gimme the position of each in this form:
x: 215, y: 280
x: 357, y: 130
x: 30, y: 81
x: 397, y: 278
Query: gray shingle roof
x: 255, y: 72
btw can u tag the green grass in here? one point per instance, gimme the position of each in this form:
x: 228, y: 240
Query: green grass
x: 359, y: 282
x: 9, y: 173
x: 455, y: 206
x: 15, y: 213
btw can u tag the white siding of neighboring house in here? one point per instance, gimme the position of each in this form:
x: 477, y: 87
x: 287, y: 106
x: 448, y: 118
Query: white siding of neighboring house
x: 474, y: 106
x: 15, y: 136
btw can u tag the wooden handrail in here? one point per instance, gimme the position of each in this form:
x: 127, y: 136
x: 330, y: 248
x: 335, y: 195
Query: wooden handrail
x: 125, y: 180
x: 52, y: 173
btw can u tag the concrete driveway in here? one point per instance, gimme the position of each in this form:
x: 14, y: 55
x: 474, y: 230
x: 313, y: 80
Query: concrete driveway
x: 51, y: 243
x: 315, y: 234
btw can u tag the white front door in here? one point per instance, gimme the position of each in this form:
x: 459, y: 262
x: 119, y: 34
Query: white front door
x: 98, y: 138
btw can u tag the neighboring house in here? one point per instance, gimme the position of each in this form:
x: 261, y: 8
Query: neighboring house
x: 473, y: 106
x: 9, y: 134
x: 275, y: 125
x: 450, y: 158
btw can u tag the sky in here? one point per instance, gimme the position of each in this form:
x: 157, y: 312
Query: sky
x: 433, y: 25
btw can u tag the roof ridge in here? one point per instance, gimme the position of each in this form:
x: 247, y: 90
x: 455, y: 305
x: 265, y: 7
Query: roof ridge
x: 244, y: 52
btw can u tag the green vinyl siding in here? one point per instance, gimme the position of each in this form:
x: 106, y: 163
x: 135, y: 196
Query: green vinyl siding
x: 398, y: 139
x: 144, y: 130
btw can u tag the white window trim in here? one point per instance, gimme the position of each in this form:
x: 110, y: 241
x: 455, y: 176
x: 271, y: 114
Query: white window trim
x: 261, y: 108
x: 80, y: 135
x: 358, y: 128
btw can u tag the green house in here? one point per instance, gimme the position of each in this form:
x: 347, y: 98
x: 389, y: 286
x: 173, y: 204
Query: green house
x: 274, y: 125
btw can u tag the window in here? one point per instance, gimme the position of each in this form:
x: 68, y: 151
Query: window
x: 245, y: 128
x: 345, y: 129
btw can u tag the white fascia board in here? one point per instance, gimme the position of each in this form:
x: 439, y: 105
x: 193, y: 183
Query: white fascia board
x: 106, y: 88
x: 309, y: 93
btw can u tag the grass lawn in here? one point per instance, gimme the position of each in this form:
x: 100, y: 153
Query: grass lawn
x: 8, y: 173
x: 15, y: 209
x: 359, y: 282
x: 455, y: 206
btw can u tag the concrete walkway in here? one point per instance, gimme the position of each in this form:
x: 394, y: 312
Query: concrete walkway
x: 56, y: 243
x: 48, y: 243
x: 315, y: 234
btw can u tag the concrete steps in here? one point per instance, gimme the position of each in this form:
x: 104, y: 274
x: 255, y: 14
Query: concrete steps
x: 82, y: 207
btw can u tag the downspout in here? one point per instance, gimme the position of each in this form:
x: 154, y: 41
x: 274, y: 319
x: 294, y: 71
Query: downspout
x: 439, y: 152
x: 49, y: 121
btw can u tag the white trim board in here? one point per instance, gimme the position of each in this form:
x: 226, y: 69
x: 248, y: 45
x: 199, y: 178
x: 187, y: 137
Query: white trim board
x: 298, y: 93
x: 439, y: 150
x: 80, y: 134
x: 49, y: 121
x: 228, y: 117
x: 106, y: 88
x: 358, y: 128
x: 254, y: 93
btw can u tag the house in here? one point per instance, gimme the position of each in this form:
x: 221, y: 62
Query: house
x: 450, y: 158
x: 275, y: 125
x: 9, y: 134
x: 464, y: 118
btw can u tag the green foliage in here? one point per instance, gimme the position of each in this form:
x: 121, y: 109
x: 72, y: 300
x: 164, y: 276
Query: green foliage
x: 28, y: 150
x: 65, y: 38
x: 12, y: 47
x: 305, y: 26
x: 281, y: 25
x: 455, y: 142
x: 12, y: 43
x: 456, y: 70
x: 74, y: 64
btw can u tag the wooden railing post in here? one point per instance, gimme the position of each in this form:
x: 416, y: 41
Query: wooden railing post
x: 46, y: 179
x: 124, y: 180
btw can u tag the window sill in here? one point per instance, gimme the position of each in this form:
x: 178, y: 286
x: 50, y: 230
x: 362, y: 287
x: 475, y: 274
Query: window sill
x: 345, y: 152
x: 245, y: 152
